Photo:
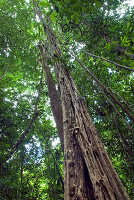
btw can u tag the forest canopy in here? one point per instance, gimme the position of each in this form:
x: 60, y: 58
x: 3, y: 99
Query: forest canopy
x: 96, y: 39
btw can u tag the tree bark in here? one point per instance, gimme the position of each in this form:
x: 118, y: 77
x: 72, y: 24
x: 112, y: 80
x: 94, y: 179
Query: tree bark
x: 54, y: 100
x: 82, y: 141
x: 88, y: 172
x: 79, y: 131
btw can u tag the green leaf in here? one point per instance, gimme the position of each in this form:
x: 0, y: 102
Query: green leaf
x: 53, y: 16
x: 45, y: 4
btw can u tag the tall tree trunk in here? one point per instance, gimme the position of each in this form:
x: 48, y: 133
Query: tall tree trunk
x: 88, y: 172
x: 55, y: 100
x: 79, y: 131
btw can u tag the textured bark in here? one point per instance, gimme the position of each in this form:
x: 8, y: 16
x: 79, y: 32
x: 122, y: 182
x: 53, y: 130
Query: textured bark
x: 88, y: 172
x: 77, y: 184
x: 79, y: 131
x: 81, y: 141
x: 55, y: 101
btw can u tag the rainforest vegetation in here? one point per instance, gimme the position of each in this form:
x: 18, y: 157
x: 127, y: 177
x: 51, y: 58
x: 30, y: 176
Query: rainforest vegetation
x: 66, y: 100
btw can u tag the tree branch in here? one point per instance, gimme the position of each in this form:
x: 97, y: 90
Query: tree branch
x: 123, y: 100
x: 120, y: 114
x: 117, y: 65
x: 104, y: 87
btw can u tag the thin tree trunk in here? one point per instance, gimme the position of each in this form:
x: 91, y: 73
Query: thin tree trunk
x: 104, y: 87
x: 54, y: 100
x: 88, y: 172
x: 23, y: 135
x: 120, y: 114
x: 124, y: 101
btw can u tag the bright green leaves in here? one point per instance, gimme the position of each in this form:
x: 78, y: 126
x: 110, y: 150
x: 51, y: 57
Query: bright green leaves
x: 16, y: 35
x: 125, y: 41
x: 53, y: 16
x: 49, y: 10
x: 46, y: 7
x: 45, y: 4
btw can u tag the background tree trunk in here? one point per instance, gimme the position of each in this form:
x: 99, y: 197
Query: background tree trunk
x: 54, y: 100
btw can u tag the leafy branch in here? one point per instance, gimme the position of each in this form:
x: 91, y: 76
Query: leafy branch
x: 104, y: 87
x: 117, y: 65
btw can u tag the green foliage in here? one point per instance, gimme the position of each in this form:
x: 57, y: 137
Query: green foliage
x: 95, y: 27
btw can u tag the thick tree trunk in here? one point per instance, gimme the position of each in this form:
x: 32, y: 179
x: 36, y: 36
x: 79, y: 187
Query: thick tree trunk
x: 77, y: 162
x: 79, y: 131
x: 88, y: 172
x: 81, y: 141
